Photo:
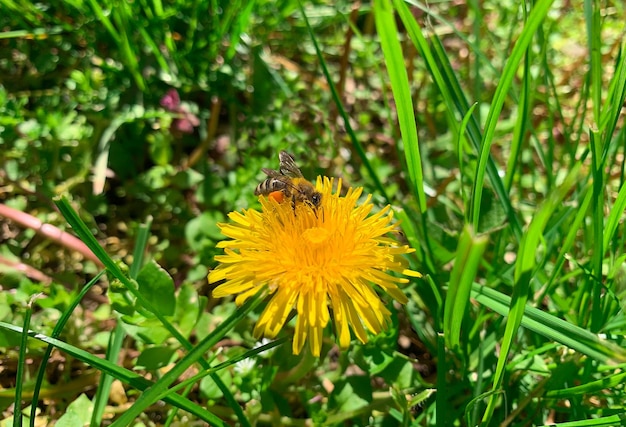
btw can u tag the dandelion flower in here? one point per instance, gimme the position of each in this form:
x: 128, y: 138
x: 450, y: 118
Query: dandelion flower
x: 324, y: 262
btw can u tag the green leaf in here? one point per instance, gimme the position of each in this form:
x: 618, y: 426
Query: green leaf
x: 210, y: 389
x: 146, y: 330
x: 399, y: 372
x: 554, y: 328
x: 156, y: 357
x: 352, y: 393
x: 188, y: 308
x: 202, y: 231
x: 78, y: 413
x: 157, y: 287
x: 70, y: 419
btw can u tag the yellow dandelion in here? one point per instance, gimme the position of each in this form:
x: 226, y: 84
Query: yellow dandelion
x: 317, y: 261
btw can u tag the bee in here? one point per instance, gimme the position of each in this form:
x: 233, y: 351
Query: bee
x: 288, y: 182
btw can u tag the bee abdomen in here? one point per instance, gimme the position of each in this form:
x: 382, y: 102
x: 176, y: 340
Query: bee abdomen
x: 268, y: 186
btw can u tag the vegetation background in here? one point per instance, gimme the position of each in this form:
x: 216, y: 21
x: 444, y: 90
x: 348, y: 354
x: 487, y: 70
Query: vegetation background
x: 494, y: 128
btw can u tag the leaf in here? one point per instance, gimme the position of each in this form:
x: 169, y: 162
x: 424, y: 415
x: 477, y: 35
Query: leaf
x: 210, y: 390
x: 400, y: 372
x: 157, y: 287
x: 352, y: 393
x: 78, y: 413
x: 202, y: 231
x: 148, y: 331
x: 188, y: 309
x: 154, y: 358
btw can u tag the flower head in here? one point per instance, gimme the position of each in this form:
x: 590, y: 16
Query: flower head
x: 314, y: 260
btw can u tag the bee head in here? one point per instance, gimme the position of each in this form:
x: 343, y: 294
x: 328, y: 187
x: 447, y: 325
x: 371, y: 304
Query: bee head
x: 316, y: 199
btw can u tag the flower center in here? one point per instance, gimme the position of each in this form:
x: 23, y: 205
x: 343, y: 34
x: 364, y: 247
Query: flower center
x: 316, y: 235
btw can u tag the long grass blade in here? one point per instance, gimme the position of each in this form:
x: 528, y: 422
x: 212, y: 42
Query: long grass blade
x: 135, y: 380
x: 117, y: 336
x: 342, y: 112
x: 56, y: 332
x: 151, y: 395
x: 524, y: 266
x: 597, y: 211
x: 394, y: 59
x: 443, y: 74
x: 21, y: 365
x: 85, y: 235
x: 468, y: 257
x: 553, y: 328
x: 592, y: 10
x: 535, y: 18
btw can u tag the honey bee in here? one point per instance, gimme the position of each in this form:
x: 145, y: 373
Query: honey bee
x: 288, y: 182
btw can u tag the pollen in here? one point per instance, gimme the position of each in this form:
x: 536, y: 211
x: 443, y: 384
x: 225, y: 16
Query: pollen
x: 277, y: 196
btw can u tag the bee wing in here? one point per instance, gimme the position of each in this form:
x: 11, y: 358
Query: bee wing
x: 288, y: 165
x: 271, y: 172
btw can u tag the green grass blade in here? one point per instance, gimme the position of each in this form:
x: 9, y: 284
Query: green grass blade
x: 394, y: 60
x: 239, y: 26
x: 570, y: 238
x: 450, y: 96
x: 450, y: 88
x: 460, y: 150
x: 21, y: 365
x: 615, y: 100
x: 597, y: 209
x: 35, y: 33
x: 442, y: 397
x: 85, y: 235
x: 164, y: 66
x: 524, y: 266
x: 610, y: 421
x: 101, y: 398
x: 230, y: 362
x: 592, y: 10
x: 342, y: 112
x: 553, y: 328
x: 536, y: 17
x: 615, y: 216
x: 139, y: 250
x: 468, y: 257
x: 589, y: 388
x: 56, y: 332
x: 135, y: 380
x: 117, y: 336
x: 123, y: 16
x: 452, y: 27
x: 521, y: 125
x: 151, y: 395
x: 103, y: 17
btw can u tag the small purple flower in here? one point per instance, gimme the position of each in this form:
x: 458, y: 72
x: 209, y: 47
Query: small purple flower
x: 187, y: 123
x: 186, y: 120
x: 171, y: 101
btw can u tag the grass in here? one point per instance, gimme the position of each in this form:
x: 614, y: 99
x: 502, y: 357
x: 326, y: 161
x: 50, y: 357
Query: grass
x: 494, y: 130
